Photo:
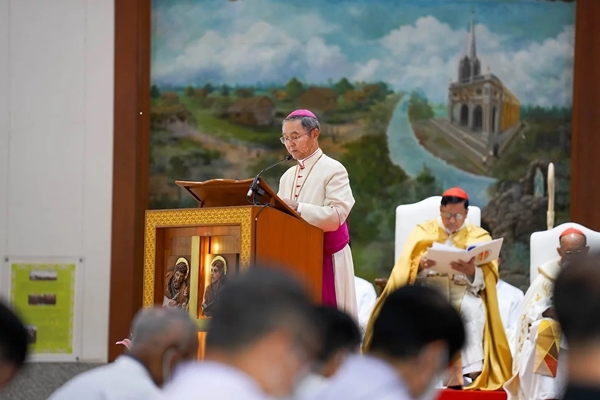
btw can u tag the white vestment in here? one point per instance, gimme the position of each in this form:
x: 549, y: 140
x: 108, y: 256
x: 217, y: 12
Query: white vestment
x: 365, y: 378
x: 510, y: 301
x: 308, y: 387
x: 124, y: 379
x: 366, y: 297
x: 471, y: 307
x: 321, y: 187
x: 214, y: 381
x: 525, y: 383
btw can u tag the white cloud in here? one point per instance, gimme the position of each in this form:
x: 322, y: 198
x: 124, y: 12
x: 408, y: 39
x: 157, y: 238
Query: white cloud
x: 423, y: 55
x: 264, y: 53
x: 426, y: 55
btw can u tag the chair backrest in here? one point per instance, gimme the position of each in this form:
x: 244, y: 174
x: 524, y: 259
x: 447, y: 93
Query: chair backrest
x: 543, y: 244
x: 410, y: 215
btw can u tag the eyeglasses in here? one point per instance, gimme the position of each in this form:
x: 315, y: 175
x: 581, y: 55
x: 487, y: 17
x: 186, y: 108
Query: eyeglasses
x: 570, y: 253
x: 293, y: 138
x: 458, y: 217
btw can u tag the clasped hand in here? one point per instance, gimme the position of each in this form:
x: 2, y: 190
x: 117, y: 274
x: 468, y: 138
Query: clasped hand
x: 464, y: 267
x: 291, y: 204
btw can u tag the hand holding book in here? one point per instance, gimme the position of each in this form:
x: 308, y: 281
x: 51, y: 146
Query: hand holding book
x: 451, y: 260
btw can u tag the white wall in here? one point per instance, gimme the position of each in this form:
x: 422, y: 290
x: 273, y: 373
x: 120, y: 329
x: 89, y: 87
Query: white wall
x: 56, y: 138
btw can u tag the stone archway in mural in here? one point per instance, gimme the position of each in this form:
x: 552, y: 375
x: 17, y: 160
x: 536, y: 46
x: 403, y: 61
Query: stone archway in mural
x: 477, y: 118
x: 464, y: 115
x: 494, y: 120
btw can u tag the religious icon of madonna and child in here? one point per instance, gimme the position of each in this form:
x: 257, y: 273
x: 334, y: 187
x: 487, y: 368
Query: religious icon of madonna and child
x: 177, y: 287
x: 218, y: 271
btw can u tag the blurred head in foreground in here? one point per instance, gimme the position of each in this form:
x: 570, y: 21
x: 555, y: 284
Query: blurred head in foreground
x: 577, y: 306
x: 264, y: 325
x: 419, y: 334
x: 13, y: 344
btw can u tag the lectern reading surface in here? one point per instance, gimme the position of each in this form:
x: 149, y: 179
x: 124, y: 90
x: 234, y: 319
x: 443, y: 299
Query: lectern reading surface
x: 230, y: 193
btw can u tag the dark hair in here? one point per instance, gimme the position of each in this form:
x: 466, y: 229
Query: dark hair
x: 338, y: 330
x: 454, y: 200
x: 413, y: 317
x: 577, y: 301
x: 255, y: 303
x: 13, y: 337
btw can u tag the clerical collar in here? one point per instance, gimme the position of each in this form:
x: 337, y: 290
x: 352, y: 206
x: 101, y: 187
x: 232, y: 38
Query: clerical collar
x: 302, y: 162
x: 441, y: 223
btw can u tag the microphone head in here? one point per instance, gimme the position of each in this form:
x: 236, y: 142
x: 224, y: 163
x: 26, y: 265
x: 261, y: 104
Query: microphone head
x: 288, y: 157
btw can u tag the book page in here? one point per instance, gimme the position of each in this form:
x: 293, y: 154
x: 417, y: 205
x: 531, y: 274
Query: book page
x: 487, y: 252
x: 445, y: 255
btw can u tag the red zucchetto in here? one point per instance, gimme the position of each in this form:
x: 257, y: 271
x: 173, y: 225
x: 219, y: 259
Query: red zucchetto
x: 568, y: 231
x: 456, y: 192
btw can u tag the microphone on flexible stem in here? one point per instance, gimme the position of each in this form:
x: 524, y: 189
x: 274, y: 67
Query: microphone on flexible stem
x: 255, y: 188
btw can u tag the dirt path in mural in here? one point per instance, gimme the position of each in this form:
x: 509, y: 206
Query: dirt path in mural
x: 238, y: 154
x: 241, y: 155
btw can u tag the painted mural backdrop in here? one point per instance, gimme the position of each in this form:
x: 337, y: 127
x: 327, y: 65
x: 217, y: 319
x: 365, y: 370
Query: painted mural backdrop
x: 413, y: 96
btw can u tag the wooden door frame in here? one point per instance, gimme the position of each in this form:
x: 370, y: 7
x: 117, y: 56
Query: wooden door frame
x: 131, y: 148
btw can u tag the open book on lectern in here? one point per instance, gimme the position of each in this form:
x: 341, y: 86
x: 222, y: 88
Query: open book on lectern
x: 443, y: 255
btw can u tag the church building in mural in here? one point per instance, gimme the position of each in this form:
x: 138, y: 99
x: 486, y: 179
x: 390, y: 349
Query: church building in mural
x: 481, y: 104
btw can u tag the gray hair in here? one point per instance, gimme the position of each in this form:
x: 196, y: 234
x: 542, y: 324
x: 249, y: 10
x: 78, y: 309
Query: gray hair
x: 308, y: 123
x: 150, y: 324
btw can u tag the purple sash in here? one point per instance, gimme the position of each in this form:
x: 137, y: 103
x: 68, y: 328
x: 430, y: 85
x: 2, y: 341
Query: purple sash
x: 332, y: 243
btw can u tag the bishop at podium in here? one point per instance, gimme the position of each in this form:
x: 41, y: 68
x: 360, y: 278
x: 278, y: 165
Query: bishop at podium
x: 318, y: 188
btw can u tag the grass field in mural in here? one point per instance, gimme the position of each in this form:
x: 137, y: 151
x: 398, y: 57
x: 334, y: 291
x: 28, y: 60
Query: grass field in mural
x: 413, y: 96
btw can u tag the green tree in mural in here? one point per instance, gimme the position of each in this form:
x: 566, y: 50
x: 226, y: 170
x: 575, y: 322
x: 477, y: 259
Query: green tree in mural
x: 425, y: 184
x: 220, y: 106
x: 189, y: 91
x: 377, y: 184
x: 294, y: 88
x: 342, y: 86
x: 154, y: 92
x: 208, y: 88
x: 225, y: 90
x: 419, y: 107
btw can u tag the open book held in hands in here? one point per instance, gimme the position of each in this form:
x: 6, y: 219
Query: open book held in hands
x: 444, y: 255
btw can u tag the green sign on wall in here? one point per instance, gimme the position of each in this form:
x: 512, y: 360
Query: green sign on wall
x: 44, y: 295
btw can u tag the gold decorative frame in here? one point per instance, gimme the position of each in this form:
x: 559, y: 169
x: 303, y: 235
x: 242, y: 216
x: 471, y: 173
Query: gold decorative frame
x: 156, y: 219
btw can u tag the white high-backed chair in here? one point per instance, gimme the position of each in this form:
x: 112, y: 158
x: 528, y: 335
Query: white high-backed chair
x: 410, y: 215
x: 544, y: 243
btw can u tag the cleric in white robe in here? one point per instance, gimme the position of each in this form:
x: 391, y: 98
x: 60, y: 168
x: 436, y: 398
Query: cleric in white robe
x: 318, y: 188
x: 510, y: 301
x: 366, y: 297
x: 539, y: 364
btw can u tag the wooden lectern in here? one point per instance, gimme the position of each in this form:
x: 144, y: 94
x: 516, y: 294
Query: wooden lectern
x: 189, y: 253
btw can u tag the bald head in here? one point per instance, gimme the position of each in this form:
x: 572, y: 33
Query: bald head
x: 156, y: 328
x: 572, y: 247
x: 163, y: 338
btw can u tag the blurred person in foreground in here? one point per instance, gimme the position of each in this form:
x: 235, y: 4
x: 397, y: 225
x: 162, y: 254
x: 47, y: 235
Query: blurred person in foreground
x: 164, y: 338
x: 13, y: 344
x: 577, y: 307
x: 340, y: 337
x: 259, y: 343
x: 416, y: 339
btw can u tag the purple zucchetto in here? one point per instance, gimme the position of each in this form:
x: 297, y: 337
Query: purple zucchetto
x: 302, y: 113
